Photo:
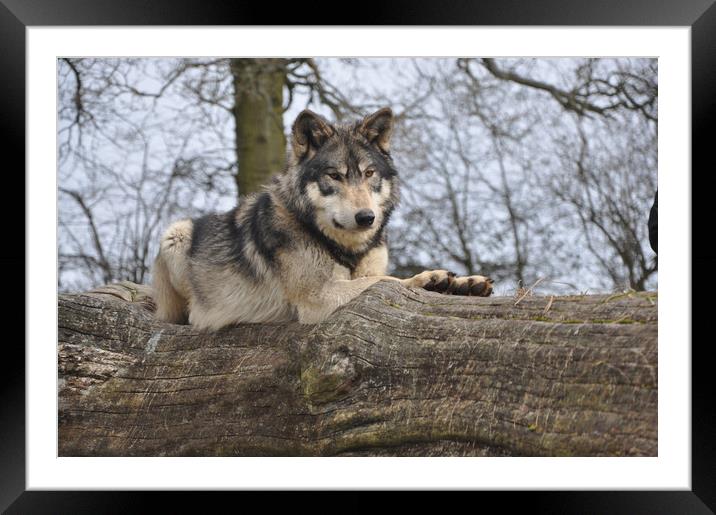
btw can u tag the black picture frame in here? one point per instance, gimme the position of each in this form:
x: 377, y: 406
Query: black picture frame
x: 700, y: 15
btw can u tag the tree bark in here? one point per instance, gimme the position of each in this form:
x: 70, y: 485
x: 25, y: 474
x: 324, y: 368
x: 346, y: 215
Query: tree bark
x: 396, y: 372
x: 258, y: 116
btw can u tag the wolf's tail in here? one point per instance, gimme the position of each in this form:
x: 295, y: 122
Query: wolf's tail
x: 170, y: 281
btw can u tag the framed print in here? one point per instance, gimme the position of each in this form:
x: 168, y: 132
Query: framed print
x: 517, y: 147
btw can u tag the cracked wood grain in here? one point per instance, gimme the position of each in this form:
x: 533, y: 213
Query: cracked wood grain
x: 397, y: 372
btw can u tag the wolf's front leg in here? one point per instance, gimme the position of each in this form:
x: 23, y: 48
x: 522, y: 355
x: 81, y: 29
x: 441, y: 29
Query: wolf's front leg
x: 319, y: 306
x: 442, y: 281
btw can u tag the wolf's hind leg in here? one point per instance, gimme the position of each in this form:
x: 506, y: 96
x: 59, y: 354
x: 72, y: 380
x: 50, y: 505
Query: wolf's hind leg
x: 171, y: 307
x: 170, y: 274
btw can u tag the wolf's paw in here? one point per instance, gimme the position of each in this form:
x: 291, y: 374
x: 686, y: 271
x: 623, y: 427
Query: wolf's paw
x: 442, y: 281
x: 433, y: 280
x: 471, y: 285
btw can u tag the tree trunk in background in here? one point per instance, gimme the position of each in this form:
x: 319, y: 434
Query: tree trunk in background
x: 258, y: 113
x: 397, y: 371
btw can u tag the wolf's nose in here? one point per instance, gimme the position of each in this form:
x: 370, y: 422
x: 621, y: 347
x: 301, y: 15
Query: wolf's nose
x: 365, y: 217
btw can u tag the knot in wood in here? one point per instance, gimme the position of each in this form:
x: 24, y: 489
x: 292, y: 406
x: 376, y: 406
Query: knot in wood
x: 328, y: 378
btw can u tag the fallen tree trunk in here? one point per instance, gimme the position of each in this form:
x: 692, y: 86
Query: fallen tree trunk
x: 395, y: 372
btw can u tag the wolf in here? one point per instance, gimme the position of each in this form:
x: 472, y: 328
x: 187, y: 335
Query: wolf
x: 309, y: 242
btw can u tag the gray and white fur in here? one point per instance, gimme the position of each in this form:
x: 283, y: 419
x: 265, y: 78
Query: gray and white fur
x: 309, y: 242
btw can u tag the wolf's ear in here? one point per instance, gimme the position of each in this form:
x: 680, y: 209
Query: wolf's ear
x: 378, y: 127
x: 310, y: 131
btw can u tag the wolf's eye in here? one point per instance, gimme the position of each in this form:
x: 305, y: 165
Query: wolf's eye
x: 335, y: 176
x: 369, y: 172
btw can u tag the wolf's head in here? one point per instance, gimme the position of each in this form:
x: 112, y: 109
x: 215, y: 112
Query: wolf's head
x: 344, y: 176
